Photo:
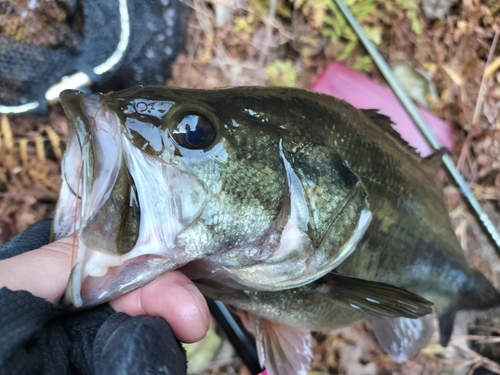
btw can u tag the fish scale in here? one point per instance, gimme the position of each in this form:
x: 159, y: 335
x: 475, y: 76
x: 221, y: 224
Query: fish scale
x: 301, y: 211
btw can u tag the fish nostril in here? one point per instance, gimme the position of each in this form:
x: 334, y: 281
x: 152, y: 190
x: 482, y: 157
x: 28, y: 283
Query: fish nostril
x: 141, y: 107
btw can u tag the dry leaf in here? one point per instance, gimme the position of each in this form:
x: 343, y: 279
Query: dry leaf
x: 457, y: 78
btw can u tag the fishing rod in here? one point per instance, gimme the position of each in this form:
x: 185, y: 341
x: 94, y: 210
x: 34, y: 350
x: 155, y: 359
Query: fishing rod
x: 417, y: 118
x: 242, y: 341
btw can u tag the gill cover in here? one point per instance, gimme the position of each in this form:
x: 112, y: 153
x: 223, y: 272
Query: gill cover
x: 324, y: 215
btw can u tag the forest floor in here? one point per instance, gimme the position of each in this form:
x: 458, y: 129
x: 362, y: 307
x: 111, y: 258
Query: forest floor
x: 448, y: 57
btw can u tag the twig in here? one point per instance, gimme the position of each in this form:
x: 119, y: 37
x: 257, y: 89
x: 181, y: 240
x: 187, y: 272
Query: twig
x: 482, y: 339
x: 7, y: 194
x: 464, y: 153
x: 486, y: 328
x: 482, y: 361
x: 228, y: 62
x: 482, y: 87
x: 275, y: 23
x: 269, y: 32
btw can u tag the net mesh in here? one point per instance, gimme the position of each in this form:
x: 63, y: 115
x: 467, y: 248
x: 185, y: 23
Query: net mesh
x: 43, y: 40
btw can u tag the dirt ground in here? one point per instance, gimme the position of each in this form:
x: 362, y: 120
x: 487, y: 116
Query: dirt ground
x: 450, y: 45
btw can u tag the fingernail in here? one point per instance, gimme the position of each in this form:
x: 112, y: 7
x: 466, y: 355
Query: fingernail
x: 201, y: 303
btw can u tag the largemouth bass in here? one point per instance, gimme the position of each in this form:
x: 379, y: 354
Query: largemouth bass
x: 258, y: 194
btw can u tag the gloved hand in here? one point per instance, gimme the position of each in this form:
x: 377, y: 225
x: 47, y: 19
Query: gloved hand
x: 36, y: 338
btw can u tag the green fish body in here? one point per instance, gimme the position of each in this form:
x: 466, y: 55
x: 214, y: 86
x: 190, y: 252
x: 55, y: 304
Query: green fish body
x: 259, y: 193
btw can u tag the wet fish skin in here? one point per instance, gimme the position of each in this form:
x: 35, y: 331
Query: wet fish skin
x: 253, y: 201
x: 410, y: 242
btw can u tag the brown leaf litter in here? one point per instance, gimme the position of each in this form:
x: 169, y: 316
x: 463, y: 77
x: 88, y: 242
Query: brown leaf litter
x: 454, y: 51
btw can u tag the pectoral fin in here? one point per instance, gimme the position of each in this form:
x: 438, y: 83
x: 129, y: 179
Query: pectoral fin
x: 403, y: 338
x: 282, y: 349
x: 376, y: 298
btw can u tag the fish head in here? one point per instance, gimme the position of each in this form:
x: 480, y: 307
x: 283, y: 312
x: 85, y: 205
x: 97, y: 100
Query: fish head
x: 156, y: 178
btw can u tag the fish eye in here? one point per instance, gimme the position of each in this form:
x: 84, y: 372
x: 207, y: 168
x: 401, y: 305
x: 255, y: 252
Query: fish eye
x: 194, y: 132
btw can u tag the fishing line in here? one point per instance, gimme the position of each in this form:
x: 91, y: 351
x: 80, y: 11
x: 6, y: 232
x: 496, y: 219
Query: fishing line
x: 418, y: 120
x: 78, y: 209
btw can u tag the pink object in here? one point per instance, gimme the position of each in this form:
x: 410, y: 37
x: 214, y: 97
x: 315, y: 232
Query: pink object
x: 361, y: 92
x: 264, y: 373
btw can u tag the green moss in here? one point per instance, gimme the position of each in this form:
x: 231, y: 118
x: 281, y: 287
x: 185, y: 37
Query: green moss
x: 281, y: 73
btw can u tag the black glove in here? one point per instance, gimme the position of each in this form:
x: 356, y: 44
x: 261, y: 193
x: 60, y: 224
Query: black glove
x: 35, y: 338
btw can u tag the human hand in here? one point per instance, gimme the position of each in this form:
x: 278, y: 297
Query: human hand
x: 45, y: 271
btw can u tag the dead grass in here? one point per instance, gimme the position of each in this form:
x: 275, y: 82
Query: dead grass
x: 454, y: 51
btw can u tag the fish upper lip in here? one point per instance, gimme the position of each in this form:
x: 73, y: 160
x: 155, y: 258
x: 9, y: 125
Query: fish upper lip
x: 74, y: 103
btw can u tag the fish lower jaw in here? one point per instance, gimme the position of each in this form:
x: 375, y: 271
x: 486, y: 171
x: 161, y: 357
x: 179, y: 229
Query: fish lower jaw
x: 113, y: 279
x: 98, y: 276
x: 99, y: 264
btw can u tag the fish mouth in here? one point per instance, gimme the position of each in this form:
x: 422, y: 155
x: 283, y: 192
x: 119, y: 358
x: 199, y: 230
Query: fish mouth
x: 102, y: 181
x: 109, y: 202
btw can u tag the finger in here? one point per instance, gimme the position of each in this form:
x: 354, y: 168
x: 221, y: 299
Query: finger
x: 43, y: 272
x: 175, y: 298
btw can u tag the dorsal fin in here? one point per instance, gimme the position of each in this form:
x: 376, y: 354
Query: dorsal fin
x: 433, y: 162
x: 385, y: 123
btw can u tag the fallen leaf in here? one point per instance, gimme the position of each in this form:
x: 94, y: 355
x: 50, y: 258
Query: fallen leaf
x: 455, y: 77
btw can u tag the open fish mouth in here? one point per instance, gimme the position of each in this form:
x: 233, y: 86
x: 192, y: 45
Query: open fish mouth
x: 155, y: 179
x: 114, y: 195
